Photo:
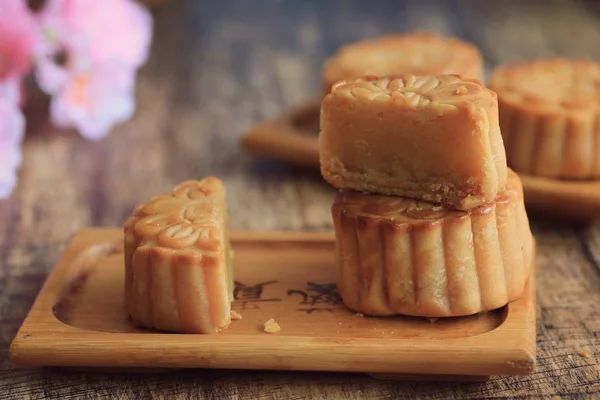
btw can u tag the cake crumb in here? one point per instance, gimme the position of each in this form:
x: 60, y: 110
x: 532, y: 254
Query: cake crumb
x: 234, y: 315
x: 359, y: 315
x: 584, y: 354
x: 271, y: 326
x: 432, y: 320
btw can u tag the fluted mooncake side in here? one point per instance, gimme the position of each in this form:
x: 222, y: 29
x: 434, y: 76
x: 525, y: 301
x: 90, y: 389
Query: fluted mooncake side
x: 397, y: 256
x: 550, y: 117
x: 433, y: 138
x: 178, y: 273
x: 420, y: 53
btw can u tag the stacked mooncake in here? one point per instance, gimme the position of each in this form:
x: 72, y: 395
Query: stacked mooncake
x: 429, y: 220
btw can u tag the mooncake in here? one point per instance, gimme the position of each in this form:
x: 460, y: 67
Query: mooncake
x: 399, y: 256
x: 550, y: 117
x: 178, y: 273
x: 419, y: 53
x: 432, y: 138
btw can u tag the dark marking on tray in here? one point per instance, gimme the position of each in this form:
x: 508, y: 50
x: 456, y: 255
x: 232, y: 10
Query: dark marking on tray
x: 251, y: 294
x: 318, y: 296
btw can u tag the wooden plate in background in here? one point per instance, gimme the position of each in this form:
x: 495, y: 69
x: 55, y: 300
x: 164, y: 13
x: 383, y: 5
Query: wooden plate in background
x: 293, y: 138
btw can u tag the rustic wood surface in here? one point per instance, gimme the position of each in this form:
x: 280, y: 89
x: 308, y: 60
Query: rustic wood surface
x: 216, y: 69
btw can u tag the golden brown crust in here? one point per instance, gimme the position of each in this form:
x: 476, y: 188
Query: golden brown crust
x: 418, y: 53
x: 439, y: 92
x: 434, y: 138
x: 401, y: 256
x: 177, y: 272
x: 550, y: 117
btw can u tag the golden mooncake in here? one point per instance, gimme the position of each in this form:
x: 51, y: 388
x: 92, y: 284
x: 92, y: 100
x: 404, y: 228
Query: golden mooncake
x: 398, y: 256
x: 178, y: 274
x: 432, y: 138
x: 550, y: 117
x: 418, y: 53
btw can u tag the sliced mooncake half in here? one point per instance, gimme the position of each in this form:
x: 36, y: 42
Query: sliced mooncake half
x: 178, y: 273
x: 432, y: 138
x: 401, y: 256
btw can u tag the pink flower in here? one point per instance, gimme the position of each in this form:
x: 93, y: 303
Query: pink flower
x: 104, y: 31
x: 104, y: 42
x: 18, y: 35
x: 94, y: 100
x: 12, y: 128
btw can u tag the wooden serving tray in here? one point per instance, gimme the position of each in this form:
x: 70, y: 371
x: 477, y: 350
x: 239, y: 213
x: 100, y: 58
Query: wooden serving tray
x: 293, y: 138
x: 78, y: 320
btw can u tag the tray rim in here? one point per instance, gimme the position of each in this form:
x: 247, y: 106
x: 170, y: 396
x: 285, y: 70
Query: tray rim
x: 43, y: 340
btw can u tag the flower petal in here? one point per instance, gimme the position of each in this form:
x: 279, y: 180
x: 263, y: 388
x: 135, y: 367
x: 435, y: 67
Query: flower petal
x: 50, y: 76
x: 10, y: 90
x: 18, y: 37
x: 94, y: 101
x: 12, y: 128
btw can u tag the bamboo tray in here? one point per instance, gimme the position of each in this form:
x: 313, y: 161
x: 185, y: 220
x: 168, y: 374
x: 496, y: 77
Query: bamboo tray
x: 293, y: 138
x: 78, y: 320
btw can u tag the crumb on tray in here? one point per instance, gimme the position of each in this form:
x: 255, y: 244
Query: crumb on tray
x: 359, y: 314
x: 432, y: 320
x: 584, y: 354
x: 271, y: 326
x: 234, y: 315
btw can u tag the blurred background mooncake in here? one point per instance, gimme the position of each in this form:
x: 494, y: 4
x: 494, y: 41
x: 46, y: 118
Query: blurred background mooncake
x: 418, y: 53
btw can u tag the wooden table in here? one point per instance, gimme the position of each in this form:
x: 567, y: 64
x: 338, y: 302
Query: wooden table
x: 216, y: 69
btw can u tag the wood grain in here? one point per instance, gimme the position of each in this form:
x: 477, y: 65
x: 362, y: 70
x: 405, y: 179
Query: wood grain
x: 219, y: 68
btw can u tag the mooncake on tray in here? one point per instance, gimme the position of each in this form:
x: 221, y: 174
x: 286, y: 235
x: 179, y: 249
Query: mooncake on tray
x: 398, y: 256
x: 419, y: 53
x: 550, y: 117
x: 434, y: 138
x: 178, y: 273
